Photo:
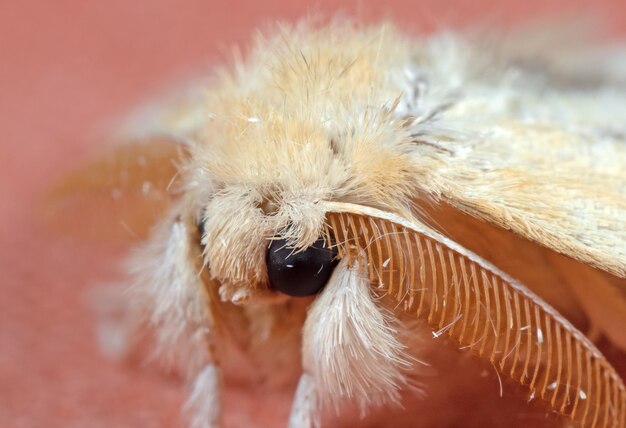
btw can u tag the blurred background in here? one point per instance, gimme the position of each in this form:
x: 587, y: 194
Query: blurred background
x: 70, y: 68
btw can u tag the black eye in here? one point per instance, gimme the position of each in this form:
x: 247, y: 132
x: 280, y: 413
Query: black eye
x: 200, y: 232
x: 299, y: 274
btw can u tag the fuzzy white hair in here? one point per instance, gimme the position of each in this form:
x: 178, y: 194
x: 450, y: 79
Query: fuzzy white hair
x: 350, y: 348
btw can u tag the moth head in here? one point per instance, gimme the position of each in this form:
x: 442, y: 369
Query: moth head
x: 297, y: 129
x: 253, y: 242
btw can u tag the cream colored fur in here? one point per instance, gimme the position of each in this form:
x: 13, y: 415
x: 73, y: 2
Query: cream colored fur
x: 350, y: 348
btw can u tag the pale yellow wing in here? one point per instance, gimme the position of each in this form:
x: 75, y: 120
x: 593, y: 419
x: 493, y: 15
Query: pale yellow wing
x: 120, y: 194
x: 563, y: 189
x: 519, y: 134
x: 117, y: 197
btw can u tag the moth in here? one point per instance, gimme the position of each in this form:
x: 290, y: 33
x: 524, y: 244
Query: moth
x: 344, y: 201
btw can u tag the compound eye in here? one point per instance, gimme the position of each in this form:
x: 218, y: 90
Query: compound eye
x: 201, y: 232
x: 302, y: 273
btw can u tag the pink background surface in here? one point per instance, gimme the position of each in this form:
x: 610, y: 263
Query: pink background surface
x: 68, y: 68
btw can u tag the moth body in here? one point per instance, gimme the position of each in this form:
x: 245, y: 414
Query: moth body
x: 382, y: 151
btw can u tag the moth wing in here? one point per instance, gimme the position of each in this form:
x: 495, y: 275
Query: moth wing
x: 534, y: 143
x: 570, y: 50
x: 548, y: 185
x: 118, y: 196
x: 563, y: 187
x: 533, y: 139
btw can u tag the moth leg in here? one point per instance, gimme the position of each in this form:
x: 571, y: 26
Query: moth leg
x: 204, y: 405
x: 179, y: 304
x: 350, y: 349
x: 304, y: 404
